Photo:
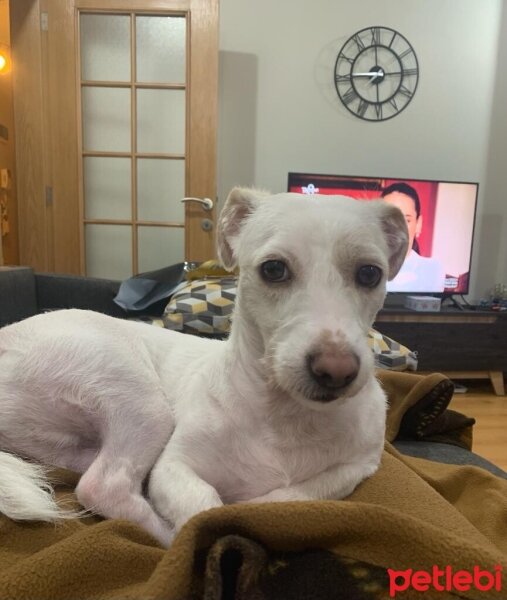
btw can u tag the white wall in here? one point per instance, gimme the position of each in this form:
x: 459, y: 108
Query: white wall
x: 491, y: 266
x: 279, y: 111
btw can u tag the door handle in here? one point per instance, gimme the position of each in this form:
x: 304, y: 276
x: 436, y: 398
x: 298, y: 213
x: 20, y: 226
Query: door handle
x: 206, y: 203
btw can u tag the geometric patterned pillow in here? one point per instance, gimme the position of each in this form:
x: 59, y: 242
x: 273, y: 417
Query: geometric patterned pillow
x: 390, y: 354
x: 203, y: 306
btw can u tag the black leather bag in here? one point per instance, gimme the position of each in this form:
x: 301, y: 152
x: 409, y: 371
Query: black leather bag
x: 149, y: 292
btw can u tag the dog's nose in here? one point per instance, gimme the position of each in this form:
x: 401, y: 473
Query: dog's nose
x: 334, y: 370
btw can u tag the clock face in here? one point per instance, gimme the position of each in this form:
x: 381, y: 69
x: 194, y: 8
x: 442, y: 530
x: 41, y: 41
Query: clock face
x: 376, y: 73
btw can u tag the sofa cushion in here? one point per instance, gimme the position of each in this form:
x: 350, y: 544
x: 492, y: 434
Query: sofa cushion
x: 18, y: 298
x: 390, y: 354
x: 202, y: 306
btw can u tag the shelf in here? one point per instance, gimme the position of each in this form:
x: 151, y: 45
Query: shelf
x: 466, y: 344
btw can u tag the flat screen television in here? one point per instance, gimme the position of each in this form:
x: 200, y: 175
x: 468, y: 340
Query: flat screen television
x: 440, y: 216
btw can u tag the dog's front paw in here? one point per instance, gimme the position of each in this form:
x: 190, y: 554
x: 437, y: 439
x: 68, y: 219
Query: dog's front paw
x: 185, y: 514
x: 180, y: 510
x: 165, y: 535
x: 178, y: 494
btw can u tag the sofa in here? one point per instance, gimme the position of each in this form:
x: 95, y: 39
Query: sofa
x: 24, y: 293
x: 411, y: 513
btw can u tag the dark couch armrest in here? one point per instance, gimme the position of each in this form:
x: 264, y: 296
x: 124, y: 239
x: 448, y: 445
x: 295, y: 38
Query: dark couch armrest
x: 18, y: 299
x: 56, y: 291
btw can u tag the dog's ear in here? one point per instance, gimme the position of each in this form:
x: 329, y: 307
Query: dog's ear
x: 396, y: 232
x: 240, y: 203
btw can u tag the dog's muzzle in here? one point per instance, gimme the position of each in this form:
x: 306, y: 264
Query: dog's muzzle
x: 332, y: 372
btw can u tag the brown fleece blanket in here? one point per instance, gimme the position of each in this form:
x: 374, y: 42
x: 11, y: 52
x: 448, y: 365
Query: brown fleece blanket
x: 412, y: 514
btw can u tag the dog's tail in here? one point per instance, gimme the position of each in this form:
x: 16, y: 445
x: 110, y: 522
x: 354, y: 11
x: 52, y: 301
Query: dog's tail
x: 25, y: 492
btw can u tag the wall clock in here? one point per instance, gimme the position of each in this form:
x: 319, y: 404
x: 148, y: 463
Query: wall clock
x: 376, y: 73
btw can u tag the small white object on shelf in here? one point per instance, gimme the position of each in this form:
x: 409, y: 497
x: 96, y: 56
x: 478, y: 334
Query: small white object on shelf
x: 423, y: 303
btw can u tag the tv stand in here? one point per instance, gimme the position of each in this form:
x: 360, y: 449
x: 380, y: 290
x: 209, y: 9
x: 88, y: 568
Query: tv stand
x: 460, y: 342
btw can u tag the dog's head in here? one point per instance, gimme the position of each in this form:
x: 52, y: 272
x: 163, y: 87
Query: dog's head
x: 313, y: 272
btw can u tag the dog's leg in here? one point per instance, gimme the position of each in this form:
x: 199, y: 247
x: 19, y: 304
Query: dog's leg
x: 112, y: 485
x: 177, y: 492
x: 133, y: 437
x: 335, y: 483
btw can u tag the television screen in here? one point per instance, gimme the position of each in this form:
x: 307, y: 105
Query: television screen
x: 440, y: 217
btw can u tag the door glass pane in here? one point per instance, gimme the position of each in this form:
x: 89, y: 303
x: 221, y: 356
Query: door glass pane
x: 107, y: 188
x: 160, y: 247
x: 161, y: 121
x: 106, y: 119
x: 161, y: 49
x: 108, y: 251
x: 105, y: 47
x: 160, y: 187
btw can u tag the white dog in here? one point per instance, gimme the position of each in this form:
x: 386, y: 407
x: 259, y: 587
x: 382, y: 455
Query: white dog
x: 287, y: 408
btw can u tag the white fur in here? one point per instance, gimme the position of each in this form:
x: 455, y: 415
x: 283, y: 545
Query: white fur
x: 210, y: 422
x: 21, y: 479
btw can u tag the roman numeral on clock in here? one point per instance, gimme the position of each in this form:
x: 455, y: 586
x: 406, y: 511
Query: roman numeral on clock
x: 359, y: 42
x: 375, y: 36
x: 405, y: 91
x: 406, y: 53
x: 362, y: 108
x: 349, y: 96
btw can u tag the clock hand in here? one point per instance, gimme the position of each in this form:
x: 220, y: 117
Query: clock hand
x: 371, y: 74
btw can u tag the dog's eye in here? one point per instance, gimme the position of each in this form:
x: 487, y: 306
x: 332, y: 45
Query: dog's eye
x: 368, y: 276
x: 275, y: 271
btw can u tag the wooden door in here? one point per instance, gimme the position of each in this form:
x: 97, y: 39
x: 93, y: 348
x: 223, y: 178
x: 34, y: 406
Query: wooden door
x: 129, y: 90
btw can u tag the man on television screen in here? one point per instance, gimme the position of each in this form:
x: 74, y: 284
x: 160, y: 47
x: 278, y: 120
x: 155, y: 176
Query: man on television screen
x: 418, y: 273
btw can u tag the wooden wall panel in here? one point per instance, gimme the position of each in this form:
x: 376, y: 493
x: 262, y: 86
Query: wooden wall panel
x: 60, y: 74
x: 27, y: 92
x: 9, y: 249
